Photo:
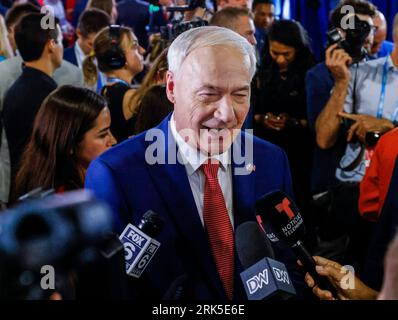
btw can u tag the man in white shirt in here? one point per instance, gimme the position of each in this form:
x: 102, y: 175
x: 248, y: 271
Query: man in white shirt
x: 90, y: 23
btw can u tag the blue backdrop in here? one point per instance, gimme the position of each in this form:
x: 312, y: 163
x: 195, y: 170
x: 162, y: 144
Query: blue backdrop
x: 314, y: 14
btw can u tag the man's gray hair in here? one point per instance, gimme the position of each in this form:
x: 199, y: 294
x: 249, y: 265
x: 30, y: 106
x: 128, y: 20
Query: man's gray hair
x: 203, y: 37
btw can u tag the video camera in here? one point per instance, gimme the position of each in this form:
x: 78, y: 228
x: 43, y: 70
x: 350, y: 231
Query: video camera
x: 177, y: 26
x: 354, y: 41
x: 63, y: 232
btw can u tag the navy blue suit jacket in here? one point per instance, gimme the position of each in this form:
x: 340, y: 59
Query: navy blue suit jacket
x: 384, y: 232
x: 135, y: 14
x: 70, y: 55
x: 122, y: 177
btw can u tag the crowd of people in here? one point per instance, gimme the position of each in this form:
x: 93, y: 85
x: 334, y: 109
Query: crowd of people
x: 103, y: 76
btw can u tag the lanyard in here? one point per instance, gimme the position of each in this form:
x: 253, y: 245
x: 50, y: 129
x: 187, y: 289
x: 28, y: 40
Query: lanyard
x: 100, y: 84
x: 383, y: 90
x: 383, y: 94
x: 117, y: 80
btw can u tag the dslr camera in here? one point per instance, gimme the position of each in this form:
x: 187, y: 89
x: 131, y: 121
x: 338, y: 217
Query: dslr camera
x: 354, y: 40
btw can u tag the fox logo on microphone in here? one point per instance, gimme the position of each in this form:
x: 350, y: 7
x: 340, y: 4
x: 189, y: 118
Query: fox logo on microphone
x: 139, y: 249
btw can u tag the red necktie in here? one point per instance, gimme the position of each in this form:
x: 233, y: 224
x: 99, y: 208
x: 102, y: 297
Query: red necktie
x: 219, y: 228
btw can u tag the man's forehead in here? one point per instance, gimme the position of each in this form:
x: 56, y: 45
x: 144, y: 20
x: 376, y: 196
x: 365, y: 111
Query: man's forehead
x: 214, y: 57
x: 267, y: 7
x: 203, y: 70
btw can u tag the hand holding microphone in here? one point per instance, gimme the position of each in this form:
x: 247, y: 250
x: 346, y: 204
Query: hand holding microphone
x: 280, y: 212
x: 337, y: 275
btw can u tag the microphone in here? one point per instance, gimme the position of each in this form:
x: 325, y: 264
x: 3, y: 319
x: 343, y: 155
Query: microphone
x: 280, y: 212
x: 139, y: 243
x: 263, y: 278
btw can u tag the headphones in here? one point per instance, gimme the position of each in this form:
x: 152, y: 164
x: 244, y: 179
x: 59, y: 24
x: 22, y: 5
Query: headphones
x: 115, y: 58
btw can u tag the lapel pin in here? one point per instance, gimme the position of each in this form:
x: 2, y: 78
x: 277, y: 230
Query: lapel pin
x: 250, y: 167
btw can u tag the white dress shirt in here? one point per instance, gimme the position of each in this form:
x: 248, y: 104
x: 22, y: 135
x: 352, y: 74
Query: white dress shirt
x: 80, y: 56
x: 193, y: 159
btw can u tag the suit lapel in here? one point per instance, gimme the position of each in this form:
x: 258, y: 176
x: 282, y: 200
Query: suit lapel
x: 243, y: 179
x: 243, y: 199
x: 172, y: 183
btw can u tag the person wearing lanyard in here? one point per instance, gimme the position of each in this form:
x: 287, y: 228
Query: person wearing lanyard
x: 119, y: 57
x: 376, y: 104
x: 358, y: 105
x: 374, y: 186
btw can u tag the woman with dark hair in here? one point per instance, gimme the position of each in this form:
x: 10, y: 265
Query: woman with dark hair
x: 154, y: 107
x: 71, y: 129
x: 281, y: 110
x: 119, y: 57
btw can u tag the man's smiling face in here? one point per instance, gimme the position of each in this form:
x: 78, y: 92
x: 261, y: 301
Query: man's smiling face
x: 211, y: 96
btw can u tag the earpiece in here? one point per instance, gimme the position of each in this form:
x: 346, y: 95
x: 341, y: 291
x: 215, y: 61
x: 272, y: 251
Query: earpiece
x: 115, y: 57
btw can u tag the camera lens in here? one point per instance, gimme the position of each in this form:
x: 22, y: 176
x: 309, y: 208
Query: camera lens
x: 372, y: 138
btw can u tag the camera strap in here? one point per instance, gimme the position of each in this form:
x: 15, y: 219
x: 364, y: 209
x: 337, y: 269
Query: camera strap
x: 359, y: 158
x: 383, y: 94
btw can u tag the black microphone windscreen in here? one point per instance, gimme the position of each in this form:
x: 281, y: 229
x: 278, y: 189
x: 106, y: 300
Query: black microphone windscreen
x: 252, y: 244
x: 151, y: 224
x: 279, y: 211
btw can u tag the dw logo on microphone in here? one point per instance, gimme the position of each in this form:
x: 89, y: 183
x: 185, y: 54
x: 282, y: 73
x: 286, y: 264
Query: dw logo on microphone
x: 284, y: 207
x: 256, y: 283
x: 281, y: 275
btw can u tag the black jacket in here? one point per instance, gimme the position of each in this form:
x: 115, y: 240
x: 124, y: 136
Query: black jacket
x: 21, y: 104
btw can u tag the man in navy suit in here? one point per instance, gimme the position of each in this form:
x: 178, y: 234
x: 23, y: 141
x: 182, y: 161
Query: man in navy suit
x: 90, y: 23
x: 135, y: 14
x: 197, y: 170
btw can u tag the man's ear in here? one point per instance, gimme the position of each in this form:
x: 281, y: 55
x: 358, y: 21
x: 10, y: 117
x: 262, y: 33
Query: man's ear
x: 170, y: 82
x: 51, y: 44
x: 79, y: 34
